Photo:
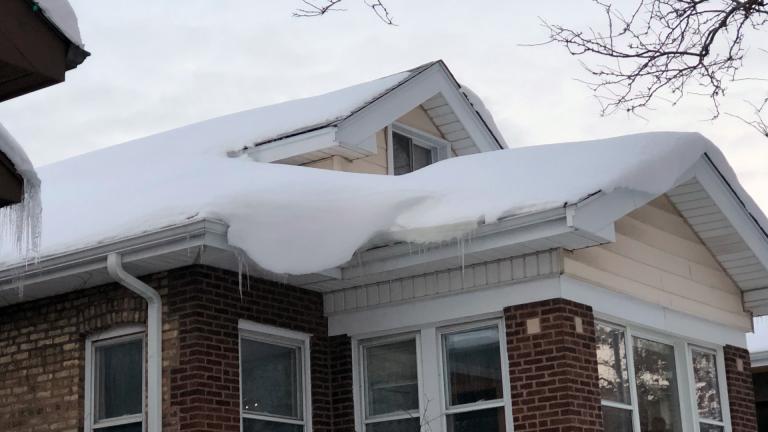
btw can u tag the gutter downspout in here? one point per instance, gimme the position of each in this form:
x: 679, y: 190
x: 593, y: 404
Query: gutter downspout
x: 154, y: 338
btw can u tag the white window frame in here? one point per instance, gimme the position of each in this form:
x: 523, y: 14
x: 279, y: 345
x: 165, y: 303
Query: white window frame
x: 106, y: 338
x: 683, y: 370
x: 386, y: 340
x: 440, y: 148
x: 505, y: 401
x: 282, y: 337
x: 429, y: 348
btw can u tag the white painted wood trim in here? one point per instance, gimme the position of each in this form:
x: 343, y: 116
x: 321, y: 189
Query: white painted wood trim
x: 440, y: 147
x: 271, y: 334
x: 116, y: 335
x: 300, y: 144
x: 620, y: 308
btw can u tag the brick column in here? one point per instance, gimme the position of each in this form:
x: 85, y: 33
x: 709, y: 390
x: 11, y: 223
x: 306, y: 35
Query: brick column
x: 341, y: 384
x: 553, y: 367
x: 741, y: 391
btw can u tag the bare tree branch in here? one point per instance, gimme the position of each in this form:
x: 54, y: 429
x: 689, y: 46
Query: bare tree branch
x: 315, y: 9
x: 665, y: 47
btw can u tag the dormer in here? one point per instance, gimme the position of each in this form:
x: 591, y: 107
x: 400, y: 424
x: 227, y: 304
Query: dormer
x: 393, y: 125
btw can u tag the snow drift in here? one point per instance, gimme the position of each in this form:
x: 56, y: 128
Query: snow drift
x: 299, y: 220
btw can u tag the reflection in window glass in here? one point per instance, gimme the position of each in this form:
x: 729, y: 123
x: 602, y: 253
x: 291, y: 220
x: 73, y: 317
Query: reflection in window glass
x: 705, y: 427
x: 617, y: 419
x: 119, y: 379
x: 473, y: 366
x: 252, y: 425
x: 271, y: 377
x: 657, y: 387
x: 612, y: 364
x: 706, y: 385
x: 404, y: 425
x: 391, y: 378
x: 401, y: 154
x: 132, y: 427
x: 487, y: 420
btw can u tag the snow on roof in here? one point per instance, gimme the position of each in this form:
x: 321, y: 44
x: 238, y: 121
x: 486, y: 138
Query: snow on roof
x: 300, y: 220
x: 62, y: 15
x: 21, y: 222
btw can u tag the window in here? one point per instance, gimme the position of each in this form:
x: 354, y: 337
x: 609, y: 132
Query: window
x: 408, y: 156
x: 640, y: 387
x: 706, y: 386
x: 273, y: 374
x: 115, y: 382
x: 453, y: 378
x: 614, y: 379
x: 474, y: 388
x: 391, y: 385
x: 413, y: 149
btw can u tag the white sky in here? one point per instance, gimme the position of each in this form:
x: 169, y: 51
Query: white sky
x: 159, y: 65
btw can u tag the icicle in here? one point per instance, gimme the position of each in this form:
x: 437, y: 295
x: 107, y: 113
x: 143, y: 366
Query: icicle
x: 22, y: 223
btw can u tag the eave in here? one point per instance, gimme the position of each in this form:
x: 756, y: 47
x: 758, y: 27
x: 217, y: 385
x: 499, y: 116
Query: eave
x: 34, y: 53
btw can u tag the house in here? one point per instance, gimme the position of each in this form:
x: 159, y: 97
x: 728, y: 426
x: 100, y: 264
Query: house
x: 758, y: 344
x: 421, y: 277
x: 40, y: 41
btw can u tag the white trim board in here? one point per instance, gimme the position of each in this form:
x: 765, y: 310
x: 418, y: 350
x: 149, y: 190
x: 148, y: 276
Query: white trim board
x: 492, y: 300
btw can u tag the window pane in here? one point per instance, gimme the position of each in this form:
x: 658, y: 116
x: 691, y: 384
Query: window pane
x: 706, y: 385
x: 391, y: 378
x: 271, y: 379
x: 421, y: 157
x: 612, y: 364
x: 405, y: 425
x: 657, y: 395
x: 252, y: 425
x: 133, y: 427
x: 617, y: 419
x: 473, y: 366
x: 488, y: 420
x: 705, y: 427
x: 118, y: 379
x: 401, y: 154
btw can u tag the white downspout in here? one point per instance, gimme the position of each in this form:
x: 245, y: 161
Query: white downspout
x: 154, y: 338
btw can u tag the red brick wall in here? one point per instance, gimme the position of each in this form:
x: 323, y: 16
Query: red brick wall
x: 741, y: 392
x: 553, y: 372
x: 341, y: 384
x: 42, y: 349
x: 42, y: 355
x: 205, y: 384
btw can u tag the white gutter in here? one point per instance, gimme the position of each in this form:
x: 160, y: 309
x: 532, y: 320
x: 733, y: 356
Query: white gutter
x: 154, y: 338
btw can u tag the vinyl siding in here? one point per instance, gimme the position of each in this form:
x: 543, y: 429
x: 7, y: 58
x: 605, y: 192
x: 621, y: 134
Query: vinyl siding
x: 659, y: 259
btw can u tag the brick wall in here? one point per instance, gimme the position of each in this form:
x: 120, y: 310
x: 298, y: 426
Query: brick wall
x: 341, y: 384
x: 741, y: 394
x: 553, y: 367
x: 42, y: 349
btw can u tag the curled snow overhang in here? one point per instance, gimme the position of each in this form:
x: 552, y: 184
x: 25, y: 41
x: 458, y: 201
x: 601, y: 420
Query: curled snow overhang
x: 61, y: 17
x: 327, y: 230
x: 20, y: 218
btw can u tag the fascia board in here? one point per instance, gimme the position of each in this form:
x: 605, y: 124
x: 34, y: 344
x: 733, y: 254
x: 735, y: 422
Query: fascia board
x: 178, y: 237
x: 408, y: 96
x: 296, y: 145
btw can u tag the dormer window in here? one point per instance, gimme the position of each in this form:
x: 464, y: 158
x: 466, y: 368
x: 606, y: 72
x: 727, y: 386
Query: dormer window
x: 413, y: 149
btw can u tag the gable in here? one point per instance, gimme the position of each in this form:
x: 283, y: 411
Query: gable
x: 657, y: 257
x: 431, y: 89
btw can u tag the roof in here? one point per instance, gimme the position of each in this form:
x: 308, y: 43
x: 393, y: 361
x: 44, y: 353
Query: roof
x: 278, y: 216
